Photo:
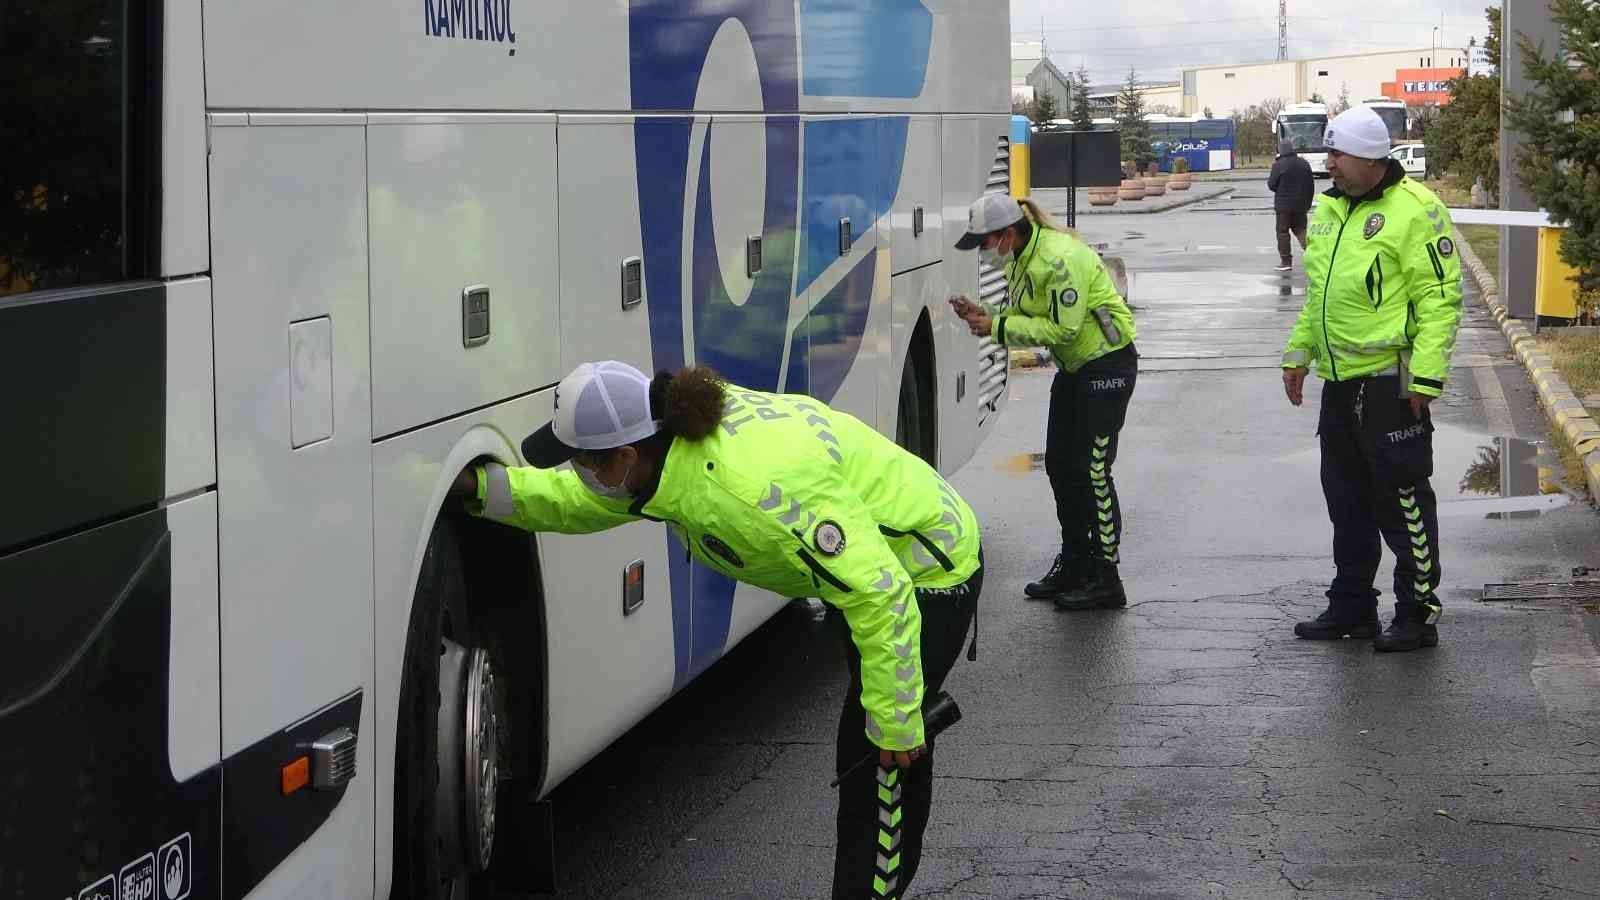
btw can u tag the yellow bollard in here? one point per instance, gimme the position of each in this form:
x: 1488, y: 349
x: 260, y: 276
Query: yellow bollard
x: 1555, y: 293
x: 1021, y: 184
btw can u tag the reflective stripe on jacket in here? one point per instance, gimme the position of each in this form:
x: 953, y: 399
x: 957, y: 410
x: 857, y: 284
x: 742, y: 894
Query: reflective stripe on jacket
x: 1057, y: 283
x: 1383, y: 287
x: 802, y: 500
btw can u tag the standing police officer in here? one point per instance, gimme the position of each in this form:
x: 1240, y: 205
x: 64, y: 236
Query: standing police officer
x: 781, y: 492
x: 1383, y: 302
x: 1063, y: 299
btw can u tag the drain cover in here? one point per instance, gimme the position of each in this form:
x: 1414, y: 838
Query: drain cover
x: 1583, y: 589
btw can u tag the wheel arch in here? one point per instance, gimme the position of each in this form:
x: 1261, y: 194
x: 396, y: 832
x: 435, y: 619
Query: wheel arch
x: 492, y: 555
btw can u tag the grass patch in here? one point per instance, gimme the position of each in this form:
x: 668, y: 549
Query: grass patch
x: 1577, y: 358
x: 1573, y: 474
x: 1485, y: 241
x: 1450, y: 190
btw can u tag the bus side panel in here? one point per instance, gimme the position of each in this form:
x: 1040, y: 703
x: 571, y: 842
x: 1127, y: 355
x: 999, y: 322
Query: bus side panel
x: 505, y: 55
x: 918, y: 187
x: 108, y: 679
x: 942, y: 56
x: 457, y: 204
x: 968, y: 154
x: 608, y: 668
x: 185, y: 237
x: 294, y: 455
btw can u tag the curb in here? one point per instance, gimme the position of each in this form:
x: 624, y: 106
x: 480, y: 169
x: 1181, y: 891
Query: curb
x: 1565, y: 412
x: 1163, y: 206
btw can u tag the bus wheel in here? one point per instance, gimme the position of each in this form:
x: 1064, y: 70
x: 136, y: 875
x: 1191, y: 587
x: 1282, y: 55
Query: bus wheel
x: 914, y: 426
x: 446, y: 762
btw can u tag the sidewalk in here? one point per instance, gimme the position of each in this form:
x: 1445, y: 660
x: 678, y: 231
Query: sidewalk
x: 1055, y: 200
x: 1566, y: 412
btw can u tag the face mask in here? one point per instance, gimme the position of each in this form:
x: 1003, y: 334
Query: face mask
x: 992, y: 256
x: 618, y: 491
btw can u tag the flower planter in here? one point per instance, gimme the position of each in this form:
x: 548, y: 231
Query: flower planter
x: 1103, y: 196
x: 1132, y: 189
x: 1179, y: 182
x: 1155, y: 186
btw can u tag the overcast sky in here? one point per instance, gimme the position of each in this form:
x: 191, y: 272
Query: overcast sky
x: 1161, y: 38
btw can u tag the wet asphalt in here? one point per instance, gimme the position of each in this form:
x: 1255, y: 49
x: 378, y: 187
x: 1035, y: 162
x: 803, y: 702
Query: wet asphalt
x: 1190, y: 745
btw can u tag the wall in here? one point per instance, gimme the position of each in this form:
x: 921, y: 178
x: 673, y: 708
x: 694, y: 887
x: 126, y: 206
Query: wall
x: 1363, y: 76
x: 1247, y: 86
x: 1167, y: 95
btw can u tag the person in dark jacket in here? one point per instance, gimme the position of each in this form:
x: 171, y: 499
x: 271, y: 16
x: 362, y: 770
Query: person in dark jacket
x: 1292, y: 186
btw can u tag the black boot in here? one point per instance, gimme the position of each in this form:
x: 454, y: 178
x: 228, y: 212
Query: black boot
x: 1101, y: 589
x: 1063, y: 576
x: 1410, y: 630
x: 1341, y: 619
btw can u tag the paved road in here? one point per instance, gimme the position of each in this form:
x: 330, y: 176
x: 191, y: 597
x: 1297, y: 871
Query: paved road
x: 1189, y: 746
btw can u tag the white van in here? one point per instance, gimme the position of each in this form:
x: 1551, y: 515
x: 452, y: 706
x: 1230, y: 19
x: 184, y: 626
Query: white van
x: 1413, y: 158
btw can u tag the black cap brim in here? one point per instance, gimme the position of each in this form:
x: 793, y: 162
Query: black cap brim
x: 970, y: 241
x: 543, y: 450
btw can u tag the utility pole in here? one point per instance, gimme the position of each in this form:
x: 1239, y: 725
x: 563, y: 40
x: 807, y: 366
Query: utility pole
x: 1283, y: 30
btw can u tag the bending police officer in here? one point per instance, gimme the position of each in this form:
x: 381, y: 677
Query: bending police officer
x: 1383, y: 303
x: 1063, y: 299
x: 784, y: 493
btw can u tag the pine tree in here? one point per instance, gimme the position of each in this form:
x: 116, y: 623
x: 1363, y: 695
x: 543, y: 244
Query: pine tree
x: 1133, y: 124
x: 1465, y: 137
x: 1082, y: 115
x: 1559, y: 160
x: 1044, y: 109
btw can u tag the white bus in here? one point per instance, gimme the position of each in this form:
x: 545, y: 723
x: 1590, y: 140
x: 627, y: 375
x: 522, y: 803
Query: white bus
x: 1303, y: 124
x: 272, y: 274
x: 1394, y: 115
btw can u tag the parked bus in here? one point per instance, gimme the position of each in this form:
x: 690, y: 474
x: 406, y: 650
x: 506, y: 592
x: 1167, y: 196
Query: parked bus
x: 271, y: 279
x: 1303, y: 125
x: 1207, y: 144
x: 1394, y: 115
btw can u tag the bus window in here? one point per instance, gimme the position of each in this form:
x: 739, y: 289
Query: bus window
x: 71, y: 171
x: 1210, y: 129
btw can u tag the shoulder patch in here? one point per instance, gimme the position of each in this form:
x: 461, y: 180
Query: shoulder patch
x: 1446, y: 246
x: 828, y: 538
x: 1070, y: 296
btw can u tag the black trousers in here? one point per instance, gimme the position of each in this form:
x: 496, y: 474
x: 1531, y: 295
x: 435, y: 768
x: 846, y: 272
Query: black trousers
x: 1087, y: 409
x: 883, y: 812
x: 1290, y: 221
x: 1377, y: 457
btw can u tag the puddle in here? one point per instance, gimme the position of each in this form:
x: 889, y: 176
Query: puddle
x: 1492, y: 477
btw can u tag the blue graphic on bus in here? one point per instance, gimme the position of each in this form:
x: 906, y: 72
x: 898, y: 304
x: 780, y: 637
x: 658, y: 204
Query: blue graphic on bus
x: 851, y: 169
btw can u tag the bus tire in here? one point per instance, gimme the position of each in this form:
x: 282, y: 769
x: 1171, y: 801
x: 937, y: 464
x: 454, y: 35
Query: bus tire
x: 442, y: 814
x: 914, y: 424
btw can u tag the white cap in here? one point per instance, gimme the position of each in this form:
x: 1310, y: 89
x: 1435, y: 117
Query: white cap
x: 1358, y: 132
x: 599, y: 406
x: 986, y: 215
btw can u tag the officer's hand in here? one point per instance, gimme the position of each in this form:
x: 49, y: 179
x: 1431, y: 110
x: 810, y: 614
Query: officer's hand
x: 889, y: 759
x: 1419, y: 402
x: 962, y: 305
x: 1294, y: 383
x: 979, y: 323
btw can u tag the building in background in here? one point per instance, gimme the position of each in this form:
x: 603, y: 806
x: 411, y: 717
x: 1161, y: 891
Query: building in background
x: 1032, y: 69
x: 1229, y: 89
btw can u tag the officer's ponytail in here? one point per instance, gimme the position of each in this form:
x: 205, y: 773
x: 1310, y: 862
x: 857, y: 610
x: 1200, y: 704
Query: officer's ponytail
x: 688, y: 403
x: 1037, y: 215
